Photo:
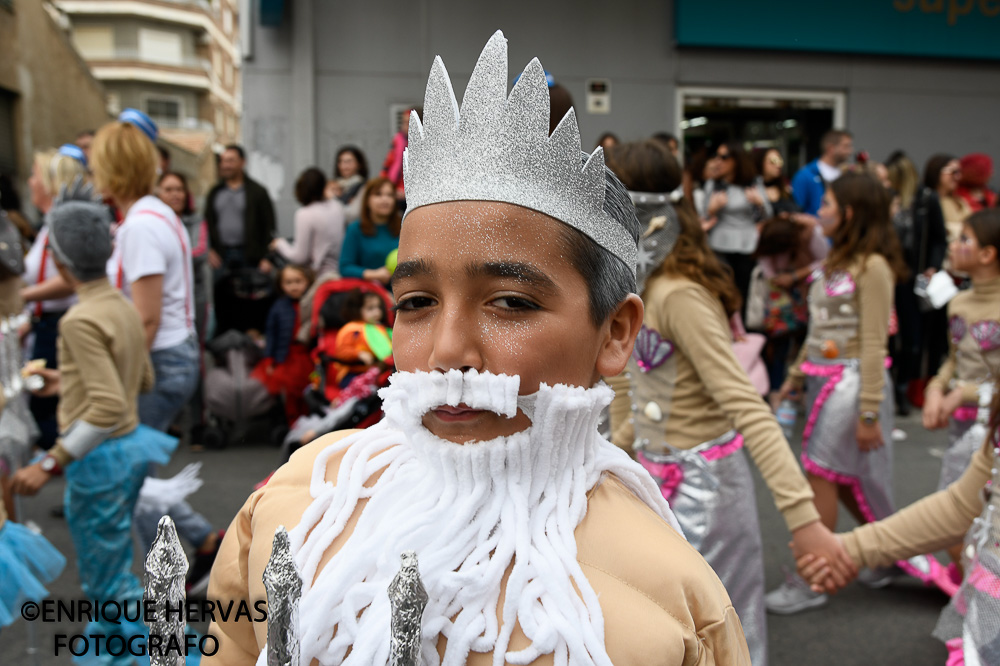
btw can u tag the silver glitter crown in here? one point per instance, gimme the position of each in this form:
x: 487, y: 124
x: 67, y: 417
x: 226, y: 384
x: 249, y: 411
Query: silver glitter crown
x: 498, y: 148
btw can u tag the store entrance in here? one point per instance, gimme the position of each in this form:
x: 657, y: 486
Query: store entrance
x: 793, y: 122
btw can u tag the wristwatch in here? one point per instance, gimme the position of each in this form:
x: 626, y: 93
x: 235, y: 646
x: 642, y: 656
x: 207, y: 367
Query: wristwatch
x: 869, y: 418
x: 50, y: 465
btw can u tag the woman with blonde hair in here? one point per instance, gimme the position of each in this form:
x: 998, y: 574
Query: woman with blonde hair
x: 46, y: 294
x: 152, y: 266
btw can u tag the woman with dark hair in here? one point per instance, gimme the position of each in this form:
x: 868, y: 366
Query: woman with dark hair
x: 369, y: 241
x: 942, y: 175
x: 319, y: 226
x: 350, y: 171
x: 771, y: 166
x: 734, y: 202
x: 608, y: 141
x: 694, y: 407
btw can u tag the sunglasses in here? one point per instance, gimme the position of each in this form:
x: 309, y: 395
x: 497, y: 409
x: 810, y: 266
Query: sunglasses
x: 776, y: 161
x: 722, y: 156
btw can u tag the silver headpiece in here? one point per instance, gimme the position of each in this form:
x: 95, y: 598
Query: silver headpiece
x: 498, y: 148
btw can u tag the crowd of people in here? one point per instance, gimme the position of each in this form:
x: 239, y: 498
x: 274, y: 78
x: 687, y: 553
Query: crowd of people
x: 838, y: 266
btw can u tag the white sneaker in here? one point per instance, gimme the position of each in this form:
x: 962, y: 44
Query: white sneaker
x: 794, y: 596
x: 877, y: 578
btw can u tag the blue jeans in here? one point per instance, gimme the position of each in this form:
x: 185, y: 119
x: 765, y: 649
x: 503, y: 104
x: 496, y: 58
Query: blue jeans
x: 177, y: 369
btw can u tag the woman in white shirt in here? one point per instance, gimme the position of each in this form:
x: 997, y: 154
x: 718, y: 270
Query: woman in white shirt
x: 151, y: 264
x: 46, y: 295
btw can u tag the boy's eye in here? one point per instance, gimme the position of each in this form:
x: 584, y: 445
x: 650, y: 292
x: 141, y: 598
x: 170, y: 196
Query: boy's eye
x: 413, y: 303
x: 514, y: 303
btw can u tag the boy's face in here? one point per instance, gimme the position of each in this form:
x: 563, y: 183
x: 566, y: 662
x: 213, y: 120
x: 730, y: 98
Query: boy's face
x: 489, y: 286
x: 294, y: 284
x: 371, y: 310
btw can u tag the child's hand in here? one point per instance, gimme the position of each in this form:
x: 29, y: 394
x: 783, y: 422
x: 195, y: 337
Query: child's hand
x: 869, y: 436
x: 932, y: 409
x: 949, y: 404
x: 816, y: 540
x: 29, y: 480
x: 788, y: 391
x: 366, y: 357
x: 51, y: 377
x: 815, y: 571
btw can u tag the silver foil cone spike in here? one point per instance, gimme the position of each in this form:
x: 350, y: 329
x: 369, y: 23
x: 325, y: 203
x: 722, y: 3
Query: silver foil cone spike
x: 408, y: 598
x: 166, y: 568
x: 284, y: 589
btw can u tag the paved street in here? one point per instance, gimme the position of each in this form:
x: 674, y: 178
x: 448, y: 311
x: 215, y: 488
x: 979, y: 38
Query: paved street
x: 859, y: 626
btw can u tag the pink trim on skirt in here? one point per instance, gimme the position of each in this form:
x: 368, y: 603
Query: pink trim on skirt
x: 956, y: 652
x: 965, y: 413
x: 671, y: 475
x: 833, y: 373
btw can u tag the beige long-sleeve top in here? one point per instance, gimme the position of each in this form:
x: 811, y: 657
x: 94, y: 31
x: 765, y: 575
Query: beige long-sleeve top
x: 662, y: 603
x: 849, y: 311
x: 974, y: 341
x: 103, y: 363
x: 935, y: 522
x: 702, y: 392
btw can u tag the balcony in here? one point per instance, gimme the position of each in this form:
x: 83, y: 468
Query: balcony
x: 126, y: 64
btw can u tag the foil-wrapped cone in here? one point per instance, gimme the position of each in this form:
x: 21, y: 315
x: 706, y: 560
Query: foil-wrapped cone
x: 284, y: 589
x: 166, y: 568
x: 408, y: 598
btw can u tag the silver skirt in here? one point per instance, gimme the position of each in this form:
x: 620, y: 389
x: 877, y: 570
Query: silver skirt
x: 715, y: 505
x: 830, y: 448
x: 959, y: 453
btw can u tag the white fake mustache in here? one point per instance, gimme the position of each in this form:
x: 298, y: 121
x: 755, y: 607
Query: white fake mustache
x: 410, y: 395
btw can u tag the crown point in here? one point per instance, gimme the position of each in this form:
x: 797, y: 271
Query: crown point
x: 440, y: 106
x: 487, y: 90
x: 528, y: 105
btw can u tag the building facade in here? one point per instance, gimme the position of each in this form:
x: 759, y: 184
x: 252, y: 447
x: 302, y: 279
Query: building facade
x: 47, y: 94
x: 177, y: 60
x: 917, y: 75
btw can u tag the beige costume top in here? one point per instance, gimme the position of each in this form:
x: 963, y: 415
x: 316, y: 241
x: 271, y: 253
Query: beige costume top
x: 103, y: 363
x: 974, y: 334
x: 661, y: 601
x: 849, y: 315
x: 936, y: 522
x: 702, y: 392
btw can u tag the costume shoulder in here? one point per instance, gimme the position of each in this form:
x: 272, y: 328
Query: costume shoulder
x: 662, y: 602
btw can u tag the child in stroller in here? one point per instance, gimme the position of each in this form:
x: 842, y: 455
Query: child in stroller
x: 354, y: 354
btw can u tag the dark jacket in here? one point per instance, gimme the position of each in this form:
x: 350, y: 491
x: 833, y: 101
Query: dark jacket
x: 282, y: 322
x: 258, y: 222
x: 927, y: 245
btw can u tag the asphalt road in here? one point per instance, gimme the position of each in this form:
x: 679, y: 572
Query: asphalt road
x: 858, y: 626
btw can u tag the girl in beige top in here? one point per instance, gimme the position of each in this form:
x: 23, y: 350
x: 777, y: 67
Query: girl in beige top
x: 971, y: 507
x: 974, y: 341
x: 693, y: 408
x: 847, y: 444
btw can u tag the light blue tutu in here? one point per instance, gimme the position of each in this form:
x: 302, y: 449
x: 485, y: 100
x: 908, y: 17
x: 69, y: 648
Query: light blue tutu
x: 27, y: 562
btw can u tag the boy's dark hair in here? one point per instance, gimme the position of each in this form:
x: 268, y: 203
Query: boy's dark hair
x: 609, y: 281
x: 309, y: 274
x: 985, y: 224
x: 310, y: 186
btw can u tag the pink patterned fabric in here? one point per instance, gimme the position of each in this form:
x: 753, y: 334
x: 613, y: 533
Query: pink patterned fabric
x: 957, y: 328
x: 956, y: 653
x: 987, y: 334
x: 839, y: 283
x: 985, y: 581
x: 965, y: 413
x: 671, y: 475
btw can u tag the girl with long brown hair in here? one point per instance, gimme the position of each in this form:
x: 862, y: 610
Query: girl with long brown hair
x: 847, y: 443
x: 370, y: 240
x: 693, y: 405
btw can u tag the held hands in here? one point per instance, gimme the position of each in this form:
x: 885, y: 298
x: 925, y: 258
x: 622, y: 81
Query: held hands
x: 789, y: 391
x: 29, y: 480
x: 381, y: 274
x: 822, y: 553
x: 869, y: 436
x: 784, y: 280
x: 753, y: 196
x: 939, y: 407
x: 52, y: 381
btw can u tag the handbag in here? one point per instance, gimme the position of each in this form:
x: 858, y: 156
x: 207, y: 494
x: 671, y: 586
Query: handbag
x: 747, y: 348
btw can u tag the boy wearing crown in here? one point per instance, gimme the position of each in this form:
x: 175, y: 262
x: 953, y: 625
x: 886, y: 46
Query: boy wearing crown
x: 538, y: 541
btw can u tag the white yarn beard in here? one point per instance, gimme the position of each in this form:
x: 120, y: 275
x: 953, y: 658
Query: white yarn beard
x: 469, y: 511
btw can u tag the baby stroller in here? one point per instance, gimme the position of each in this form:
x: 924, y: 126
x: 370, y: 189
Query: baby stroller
x: 356, y: 405
x: 232, y: 397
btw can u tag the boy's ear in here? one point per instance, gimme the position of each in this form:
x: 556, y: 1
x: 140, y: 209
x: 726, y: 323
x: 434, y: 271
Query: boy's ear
x: 622, y: 328
x: 988, y: 254
x: 848, y: 213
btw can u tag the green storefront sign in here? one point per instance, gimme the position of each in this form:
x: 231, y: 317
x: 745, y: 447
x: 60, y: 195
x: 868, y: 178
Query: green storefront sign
x: 934, y: 28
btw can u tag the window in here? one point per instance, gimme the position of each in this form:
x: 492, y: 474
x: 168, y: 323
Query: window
x: 227, y: 21
x: 94, y: 42
x: 164, y: 110
x: 160, y: 46
x: 229, y: 74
